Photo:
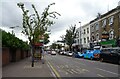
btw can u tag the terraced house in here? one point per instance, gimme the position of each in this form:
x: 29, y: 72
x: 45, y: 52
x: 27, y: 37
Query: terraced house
x: 105, y: 29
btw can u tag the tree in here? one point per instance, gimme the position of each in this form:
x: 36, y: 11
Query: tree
x: 9, y: 40
x: 34, y: 25
x: 70, y: 35
x: 53, y: 46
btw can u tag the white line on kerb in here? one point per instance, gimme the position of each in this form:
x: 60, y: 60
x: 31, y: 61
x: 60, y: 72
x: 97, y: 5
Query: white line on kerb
x: 107, y: 71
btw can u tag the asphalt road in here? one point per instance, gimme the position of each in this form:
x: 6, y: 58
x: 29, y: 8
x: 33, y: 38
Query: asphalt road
x: 64, y: 66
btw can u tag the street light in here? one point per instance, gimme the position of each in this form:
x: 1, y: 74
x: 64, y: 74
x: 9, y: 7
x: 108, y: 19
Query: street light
x: 12, y: 27
x: 80, y: 34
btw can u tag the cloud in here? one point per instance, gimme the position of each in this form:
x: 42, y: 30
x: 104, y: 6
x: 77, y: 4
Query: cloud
x: 72, y: 11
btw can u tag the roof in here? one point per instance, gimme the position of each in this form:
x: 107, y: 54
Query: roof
x: 103, y: 15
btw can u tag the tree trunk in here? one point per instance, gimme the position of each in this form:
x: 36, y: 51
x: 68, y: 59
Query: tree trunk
x: 32, y: 52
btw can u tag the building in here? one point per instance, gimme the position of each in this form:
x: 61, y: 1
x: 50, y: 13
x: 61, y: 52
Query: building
x: 85, y: 35
x: 76, y: 44
x: 105, y: 29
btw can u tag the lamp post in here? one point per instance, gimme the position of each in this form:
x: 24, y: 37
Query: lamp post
x: 12, y: 27
x: 80, y: 36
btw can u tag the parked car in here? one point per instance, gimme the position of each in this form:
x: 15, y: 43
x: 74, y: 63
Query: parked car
x: 69, y: 53
x: 62, y: 52
x: 92, y: 54
x: 65, y: 52
x: 88, y: 54
x: 78, y: 55
x: 49, y: 52
x: 53, y: 53
x: 110, y: 55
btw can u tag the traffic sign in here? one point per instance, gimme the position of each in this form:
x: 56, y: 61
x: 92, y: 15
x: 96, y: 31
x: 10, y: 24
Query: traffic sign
x: 41, y: 40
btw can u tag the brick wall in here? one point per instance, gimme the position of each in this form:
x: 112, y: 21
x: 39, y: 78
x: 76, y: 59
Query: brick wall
x: 18, y: 54
x: 5, y: 56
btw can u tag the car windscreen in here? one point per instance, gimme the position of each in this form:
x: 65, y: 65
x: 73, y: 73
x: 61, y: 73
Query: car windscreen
x: 105, y: 51
x: 110, y: 51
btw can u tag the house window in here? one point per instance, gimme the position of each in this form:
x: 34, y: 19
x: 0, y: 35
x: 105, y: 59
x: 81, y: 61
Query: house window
x: 97, y: 26
x: 84, y: 40
x: 92, y: 28
x: 88, y: 39
x: 87, y: 30
x: 104, y: 23
x: 84, y: 31
x: 111, y: 20
x: 80, y: 41
x: 111, y: 34
x: 93, y: 38
x: 97, y: 37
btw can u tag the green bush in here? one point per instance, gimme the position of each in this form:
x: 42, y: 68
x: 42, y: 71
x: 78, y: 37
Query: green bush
x: 9, y: 40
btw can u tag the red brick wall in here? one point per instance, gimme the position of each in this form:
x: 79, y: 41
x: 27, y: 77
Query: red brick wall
x: 29, y: 53
x: 25, y: 54
x: 5, y: 56
x: 18, y: 54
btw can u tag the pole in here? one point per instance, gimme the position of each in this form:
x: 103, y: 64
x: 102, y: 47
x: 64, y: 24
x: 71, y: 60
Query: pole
x: 32, y: 51
x: 80, y: 34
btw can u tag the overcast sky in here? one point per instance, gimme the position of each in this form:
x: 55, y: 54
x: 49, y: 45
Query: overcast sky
x: 72, y: 12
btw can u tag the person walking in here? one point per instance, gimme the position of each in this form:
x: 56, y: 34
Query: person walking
x: 43, y: 61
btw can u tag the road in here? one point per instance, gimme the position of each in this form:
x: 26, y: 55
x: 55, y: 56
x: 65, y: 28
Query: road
x: 64, y: 66
x: 60, y: 66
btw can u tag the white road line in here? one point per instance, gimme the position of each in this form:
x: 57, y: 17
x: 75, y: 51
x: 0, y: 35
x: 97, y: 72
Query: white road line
x: 85, y: 70
x: 100, y: 75
x: 70, y: 71
x: 107, y: 71
x: 74, y: 70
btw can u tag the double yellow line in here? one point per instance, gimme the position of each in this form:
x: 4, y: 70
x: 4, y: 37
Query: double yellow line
x: 54, y: 70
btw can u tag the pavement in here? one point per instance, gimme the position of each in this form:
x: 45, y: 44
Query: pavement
x: 23, y: 69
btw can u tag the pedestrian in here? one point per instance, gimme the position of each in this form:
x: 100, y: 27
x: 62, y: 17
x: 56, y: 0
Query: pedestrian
x: 43, y: 61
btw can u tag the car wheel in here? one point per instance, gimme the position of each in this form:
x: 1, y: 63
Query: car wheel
x: 119, y: 62
x: 91, y: 58
x: 101, y: 59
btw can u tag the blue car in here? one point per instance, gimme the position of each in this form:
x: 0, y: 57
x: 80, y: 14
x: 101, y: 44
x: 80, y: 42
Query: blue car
x: 92, y: 54
x: 88, y: 54
x: 78, y: 55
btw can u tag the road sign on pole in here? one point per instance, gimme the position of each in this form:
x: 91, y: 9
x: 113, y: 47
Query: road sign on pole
x: 41, y: 40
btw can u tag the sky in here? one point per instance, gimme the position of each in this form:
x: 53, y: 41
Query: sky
x: 72, y: 12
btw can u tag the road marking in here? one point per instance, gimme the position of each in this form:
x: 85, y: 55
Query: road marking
x: 100, y: 75
x: 54, y: 70
x: 51, y: 71
x: 66, y: 73
x: 70, y: 71
x: 85, y: 70
x: 107, y: 71
x: 74, y: 70
x: 66, y: 66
